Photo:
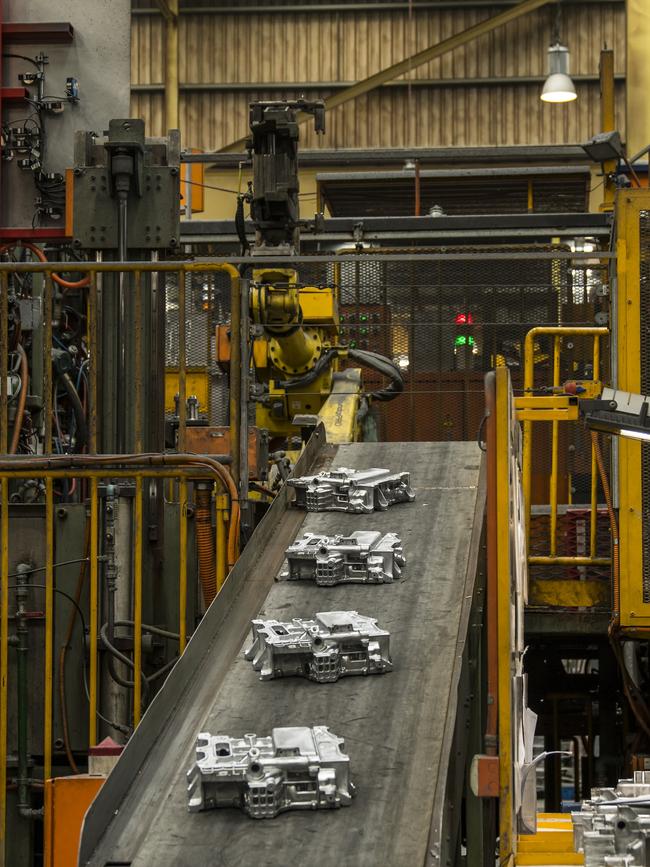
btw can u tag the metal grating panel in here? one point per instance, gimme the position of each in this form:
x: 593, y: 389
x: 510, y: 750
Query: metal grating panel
x: 207, y: 304
x: 413, y: 312
x: 644, y: 303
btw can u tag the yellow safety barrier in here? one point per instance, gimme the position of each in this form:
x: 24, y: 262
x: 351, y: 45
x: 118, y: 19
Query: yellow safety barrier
x: 175, y: 471
x: 556, y: 408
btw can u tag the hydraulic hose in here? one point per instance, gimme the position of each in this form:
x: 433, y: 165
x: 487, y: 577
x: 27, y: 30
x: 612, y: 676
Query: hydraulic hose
x: 365, y: 357
x: 240, y: 225
x: 79, y: 414
x: 205, y: 543
x: 384, y: 366
x: 154, y: 459
x: 40, y: 255
x: 22, y: 400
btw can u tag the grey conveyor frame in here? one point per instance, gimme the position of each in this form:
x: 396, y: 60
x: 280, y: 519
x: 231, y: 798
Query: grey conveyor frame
x: 399, y: 728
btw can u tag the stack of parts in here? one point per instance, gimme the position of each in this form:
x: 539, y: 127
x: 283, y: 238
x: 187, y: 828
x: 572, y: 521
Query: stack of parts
x: 333, y: 644
x: 300, y: 767
x: 613, y: 828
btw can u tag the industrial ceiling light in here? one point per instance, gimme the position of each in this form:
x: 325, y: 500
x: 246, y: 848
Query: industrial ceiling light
x: 558, y: 87
x: 621, y: 413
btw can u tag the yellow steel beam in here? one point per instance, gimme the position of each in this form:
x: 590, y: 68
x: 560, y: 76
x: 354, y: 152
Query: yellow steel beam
x: 415, y: 60
x: 182, y: 565
x: 568, y: 414
x: 4, y: 659
x: 4, y: 342
x: 137, y: 603
x: 569, y: 561
x: 92, y: 363
x: 49, y: 628
x: 607, y: 123
x: 555, y: 453
x: 93, y: 613
x: 541, y: 859
x: 221, y: 518
x: 634, y: 612
x: 182, y: 361
x: 569, y: 594
x: 504, y: 597
x: 169, y: 9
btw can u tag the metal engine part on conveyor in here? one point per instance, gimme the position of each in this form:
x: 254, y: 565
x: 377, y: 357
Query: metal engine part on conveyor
x: 363, y: 557
x: 296, y: 768
x: 332, y: 645
x: 613, y: 828
x: 346, y: 490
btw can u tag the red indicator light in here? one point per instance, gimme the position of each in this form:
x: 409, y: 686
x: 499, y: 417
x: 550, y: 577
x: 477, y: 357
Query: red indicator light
x: 464, y: 319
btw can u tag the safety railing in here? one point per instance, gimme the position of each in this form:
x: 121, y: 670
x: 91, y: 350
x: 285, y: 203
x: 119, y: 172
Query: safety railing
x: 550, y: 403
x: 93, y: 272
x: 180, y: 470
x: 90, y: 470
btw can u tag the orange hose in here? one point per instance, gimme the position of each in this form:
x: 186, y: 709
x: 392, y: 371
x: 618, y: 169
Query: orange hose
x: 67, y: 284
x: 146, y: 459
x: 22, y: 400
x: 205, y: 544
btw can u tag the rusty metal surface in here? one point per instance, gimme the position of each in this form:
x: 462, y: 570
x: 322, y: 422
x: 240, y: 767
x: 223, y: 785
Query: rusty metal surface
x: 215, y: 440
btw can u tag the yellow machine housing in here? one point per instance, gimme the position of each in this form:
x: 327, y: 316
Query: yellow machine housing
x: 300, y: 324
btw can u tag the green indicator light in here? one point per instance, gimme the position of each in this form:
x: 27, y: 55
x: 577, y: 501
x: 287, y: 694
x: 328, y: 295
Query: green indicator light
x: 464, y: 340
x: 363, y: 317
x: 353, y: 344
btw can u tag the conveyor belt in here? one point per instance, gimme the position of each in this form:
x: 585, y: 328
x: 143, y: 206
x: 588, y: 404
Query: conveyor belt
x: 397, y: 727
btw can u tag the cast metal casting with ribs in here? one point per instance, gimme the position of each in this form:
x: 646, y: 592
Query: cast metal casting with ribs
x: 296, y: 768
x: 363, y: 557
x: 347, y: 490
x: 333, y: 644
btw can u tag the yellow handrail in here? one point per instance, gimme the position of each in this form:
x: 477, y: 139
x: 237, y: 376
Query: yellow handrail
x: 558, y: 332
x: 179, y: 468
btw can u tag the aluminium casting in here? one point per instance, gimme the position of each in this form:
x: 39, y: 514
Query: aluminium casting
x: 363, y: 557
x: 347, y: 490
x: 613, y: 828
x: 296, y: 768
x: 332, y: 645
